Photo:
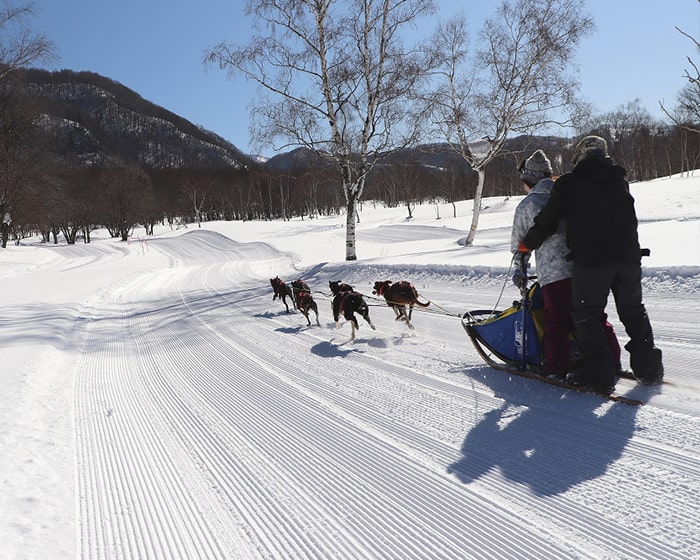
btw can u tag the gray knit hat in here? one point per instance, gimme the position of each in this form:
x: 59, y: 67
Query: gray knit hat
x: 590, y: 146
x: 535, y: 168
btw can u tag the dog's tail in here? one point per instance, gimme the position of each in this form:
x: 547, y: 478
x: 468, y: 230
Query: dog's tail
x: 417, y: 295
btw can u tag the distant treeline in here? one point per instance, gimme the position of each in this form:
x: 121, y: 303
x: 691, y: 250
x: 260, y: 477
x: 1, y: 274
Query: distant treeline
x: 79, y: 151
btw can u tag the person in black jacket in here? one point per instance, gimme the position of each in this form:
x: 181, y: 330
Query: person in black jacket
x: 601, y: 222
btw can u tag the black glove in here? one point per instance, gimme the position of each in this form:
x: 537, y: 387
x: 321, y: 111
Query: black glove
x: 519, y: 279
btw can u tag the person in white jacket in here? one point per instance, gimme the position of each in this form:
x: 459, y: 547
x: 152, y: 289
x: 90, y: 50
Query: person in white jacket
x: 554, y: 270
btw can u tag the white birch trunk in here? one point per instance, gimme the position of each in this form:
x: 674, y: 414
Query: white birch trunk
x: 476, y: 210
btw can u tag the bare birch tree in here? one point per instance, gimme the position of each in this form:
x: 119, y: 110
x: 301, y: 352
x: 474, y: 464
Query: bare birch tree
x: 518, y: 79
x: 196, y: 191
x: 19, y: 45
x: 623, y: 128
x: 339, y: 78
x: 687, y: 113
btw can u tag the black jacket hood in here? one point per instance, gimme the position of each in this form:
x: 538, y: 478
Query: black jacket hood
x: 599, y: 169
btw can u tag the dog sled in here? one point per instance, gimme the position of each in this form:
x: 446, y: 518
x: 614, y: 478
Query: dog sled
x: 513, y: 340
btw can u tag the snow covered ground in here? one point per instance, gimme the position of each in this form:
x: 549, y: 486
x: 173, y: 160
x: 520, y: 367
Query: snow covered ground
x: 157, y: 404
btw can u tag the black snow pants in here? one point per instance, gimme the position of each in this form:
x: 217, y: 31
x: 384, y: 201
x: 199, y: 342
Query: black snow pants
x: 590, y: 289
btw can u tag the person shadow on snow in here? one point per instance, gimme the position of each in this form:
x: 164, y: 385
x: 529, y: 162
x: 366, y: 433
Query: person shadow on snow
x: 548, y: 445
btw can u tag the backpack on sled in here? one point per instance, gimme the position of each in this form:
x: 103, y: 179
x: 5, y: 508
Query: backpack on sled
x: 513, y: 338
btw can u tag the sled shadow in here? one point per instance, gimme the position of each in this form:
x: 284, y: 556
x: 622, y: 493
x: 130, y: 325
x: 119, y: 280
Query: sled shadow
x: 545, y: 438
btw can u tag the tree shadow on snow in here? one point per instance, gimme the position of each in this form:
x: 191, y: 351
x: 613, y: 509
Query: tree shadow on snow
x: 545, y: 438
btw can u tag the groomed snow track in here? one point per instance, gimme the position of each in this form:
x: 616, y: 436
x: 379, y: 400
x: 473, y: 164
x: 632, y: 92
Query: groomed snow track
x: 211, y: 424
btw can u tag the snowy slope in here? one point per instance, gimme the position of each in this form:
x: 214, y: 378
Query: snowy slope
x: 158, y: 404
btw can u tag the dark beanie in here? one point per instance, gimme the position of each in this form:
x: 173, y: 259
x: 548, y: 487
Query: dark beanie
x: 535, y: 168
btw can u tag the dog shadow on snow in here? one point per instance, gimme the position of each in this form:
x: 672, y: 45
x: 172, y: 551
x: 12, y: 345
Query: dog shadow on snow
x: 543, y: 437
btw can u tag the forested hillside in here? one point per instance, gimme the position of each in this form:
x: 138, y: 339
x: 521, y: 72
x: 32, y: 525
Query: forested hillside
x: 96, y: 119
x: 81, y: 151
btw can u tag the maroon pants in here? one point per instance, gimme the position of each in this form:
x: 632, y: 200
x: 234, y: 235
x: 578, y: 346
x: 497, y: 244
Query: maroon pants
x: 557, y: 328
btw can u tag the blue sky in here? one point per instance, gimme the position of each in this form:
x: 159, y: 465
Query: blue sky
x: 155, y: 47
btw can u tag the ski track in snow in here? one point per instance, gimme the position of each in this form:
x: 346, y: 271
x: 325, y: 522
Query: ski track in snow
x: 210, y: 423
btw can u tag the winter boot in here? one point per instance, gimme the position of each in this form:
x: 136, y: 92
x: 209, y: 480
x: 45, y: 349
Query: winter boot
x: 597, y: 375
x: 646, y: 364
